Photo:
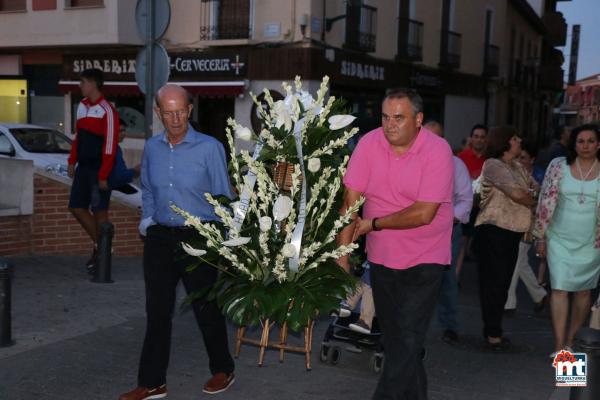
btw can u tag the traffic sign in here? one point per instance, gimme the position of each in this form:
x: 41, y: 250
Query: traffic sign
x: 160, y: 68
x: 162, y: 16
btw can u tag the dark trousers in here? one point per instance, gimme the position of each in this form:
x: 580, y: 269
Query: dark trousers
x: 165, y: 264
x: 497, y: 250
x: 404, y: 303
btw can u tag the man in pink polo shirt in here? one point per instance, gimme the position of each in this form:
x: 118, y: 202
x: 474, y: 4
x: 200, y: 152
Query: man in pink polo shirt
x: 406, y: 175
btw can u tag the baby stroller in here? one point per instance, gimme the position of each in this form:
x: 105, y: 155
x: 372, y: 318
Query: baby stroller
x: 339, y: 330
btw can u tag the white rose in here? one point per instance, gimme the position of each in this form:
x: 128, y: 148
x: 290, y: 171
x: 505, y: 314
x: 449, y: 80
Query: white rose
x: 282, y: 208
x: 340, y: 121
x: 288, y: 250
x: 192, y: 251
x: 243, y: 133
x: 265, y: 223
x: 314, y: 164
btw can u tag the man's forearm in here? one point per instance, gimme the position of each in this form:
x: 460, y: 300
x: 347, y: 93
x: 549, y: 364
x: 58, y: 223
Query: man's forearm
x: 418, y: 214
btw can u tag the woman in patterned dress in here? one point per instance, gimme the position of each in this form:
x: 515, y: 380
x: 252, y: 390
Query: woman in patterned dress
x: 567, y: 231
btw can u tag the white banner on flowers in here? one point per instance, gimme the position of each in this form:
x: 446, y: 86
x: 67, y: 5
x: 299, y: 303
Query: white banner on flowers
x: 299, y: 229
x: 239, y: 214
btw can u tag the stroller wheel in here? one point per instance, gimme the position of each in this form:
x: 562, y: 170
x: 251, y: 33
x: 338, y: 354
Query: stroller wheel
x: 333, y: 355
x: 323, y: 354
x: 376, y: 362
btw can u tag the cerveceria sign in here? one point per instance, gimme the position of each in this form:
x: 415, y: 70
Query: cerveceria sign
x: 209, y: 64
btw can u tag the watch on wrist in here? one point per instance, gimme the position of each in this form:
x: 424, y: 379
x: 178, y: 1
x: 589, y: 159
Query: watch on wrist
x: 373, y: 226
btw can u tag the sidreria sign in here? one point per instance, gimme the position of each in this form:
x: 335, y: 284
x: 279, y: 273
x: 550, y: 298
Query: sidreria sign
x: 115, y: 67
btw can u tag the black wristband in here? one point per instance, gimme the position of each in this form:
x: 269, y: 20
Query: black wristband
x: 373, y: 227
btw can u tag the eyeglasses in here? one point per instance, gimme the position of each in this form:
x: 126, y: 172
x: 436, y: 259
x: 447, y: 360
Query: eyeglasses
x: 171, y: 114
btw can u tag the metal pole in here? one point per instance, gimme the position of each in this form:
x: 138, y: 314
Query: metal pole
x: 5, y: 304
x: 104, y: 263
x: 150, y: 30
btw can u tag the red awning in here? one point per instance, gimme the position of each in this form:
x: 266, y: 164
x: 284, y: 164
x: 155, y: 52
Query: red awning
x: 128, y: 88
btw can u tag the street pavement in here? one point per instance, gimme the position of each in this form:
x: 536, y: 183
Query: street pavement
x: 81, y: 340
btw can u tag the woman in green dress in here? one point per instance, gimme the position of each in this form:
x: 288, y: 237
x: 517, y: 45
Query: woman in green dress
x: 567, y: 231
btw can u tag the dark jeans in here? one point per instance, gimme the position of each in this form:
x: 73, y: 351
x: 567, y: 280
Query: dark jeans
x: 447, y: 308
x: 404, y: 303
x: 165, y: 264
x: 497, y: 250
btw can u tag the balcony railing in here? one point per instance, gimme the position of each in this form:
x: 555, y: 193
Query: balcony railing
x: 361, y: 25
x: 491, y: 60
x: 450, y: 49
x: 551, y: 77
x: 225, y: 19
x: 556, y: 27
x: 410, y: 40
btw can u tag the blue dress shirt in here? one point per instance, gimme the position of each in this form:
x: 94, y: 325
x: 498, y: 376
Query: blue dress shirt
x: 180, y: 175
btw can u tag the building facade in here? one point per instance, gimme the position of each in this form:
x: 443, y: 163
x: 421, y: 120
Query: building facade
x: 473, y: 62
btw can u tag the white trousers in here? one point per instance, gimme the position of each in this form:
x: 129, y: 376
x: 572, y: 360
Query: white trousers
x: 523, y: 270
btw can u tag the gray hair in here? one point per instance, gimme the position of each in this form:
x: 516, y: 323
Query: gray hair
x: 403, y: 93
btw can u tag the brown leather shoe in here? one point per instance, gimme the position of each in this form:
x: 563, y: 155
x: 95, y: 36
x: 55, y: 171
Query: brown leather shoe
x: 142, y: 393
x: 219, y: 382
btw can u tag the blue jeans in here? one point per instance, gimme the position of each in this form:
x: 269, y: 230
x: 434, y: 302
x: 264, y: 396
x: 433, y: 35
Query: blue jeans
x: 404, y: 303
x: 447, y: 308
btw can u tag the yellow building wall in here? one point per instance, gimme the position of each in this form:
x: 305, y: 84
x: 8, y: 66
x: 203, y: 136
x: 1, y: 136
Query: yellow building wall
x: 13, y: 101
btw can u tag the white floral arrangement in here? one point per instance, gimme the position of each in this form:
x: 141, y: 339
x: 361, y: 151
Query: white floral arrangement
x: 276, y: 246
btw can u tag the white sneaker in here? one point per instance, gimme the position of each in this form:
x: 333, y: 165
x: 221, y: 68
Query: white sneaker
x: 360, y: 326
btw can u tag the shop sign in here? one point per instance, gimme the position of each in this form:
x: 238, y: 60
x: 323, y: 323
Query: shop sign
x: 117, y: 67
x: 209, y: 64
x: 423, y: 79
x: 362, y: 70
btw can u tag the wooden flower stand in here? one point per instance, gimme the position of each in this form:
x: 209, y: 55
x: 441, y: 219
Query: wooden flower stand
x: 282, y: 344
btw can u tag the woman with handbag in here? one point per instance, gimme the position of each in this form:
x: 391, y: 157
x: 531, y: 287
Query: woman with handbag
x: 567, y: 229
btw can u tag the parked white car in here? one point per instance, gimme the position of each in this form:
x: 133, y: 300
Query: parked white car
x: 49, y: 150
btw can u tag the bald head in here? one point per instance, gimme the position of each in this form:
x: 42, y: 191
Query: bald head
x: 435, y: 127
x: 173, y: 108
x: 171, y: 92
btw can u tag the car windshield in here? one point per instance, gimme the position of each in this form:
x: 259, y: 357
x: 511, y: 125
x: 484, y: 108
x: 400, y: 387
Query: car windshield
x: 40, y: 140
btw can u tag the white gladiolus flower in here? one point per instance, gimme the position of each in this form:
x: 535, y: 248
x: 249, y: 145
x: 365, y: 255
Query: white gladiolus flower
x: 288, y: 250
x: 282, y: 115
x: 282, y: 208
x: 265, y: 223
x: 235, y: 207
x: 340, y: 121
x: 239, y: 241
x: 243, y: 133
x: 314, y: 164
x: 192, y: 251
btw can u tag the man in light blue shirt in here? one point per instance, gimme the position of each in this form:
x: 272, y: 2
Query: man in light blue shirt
x: 462, y: 201
x: 178, y: 167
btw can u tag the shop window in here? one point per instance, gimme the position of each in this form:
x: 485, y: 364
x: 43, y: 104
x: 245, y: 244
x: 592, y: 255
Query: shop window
x: 13, y: 5
x: 83, y: 3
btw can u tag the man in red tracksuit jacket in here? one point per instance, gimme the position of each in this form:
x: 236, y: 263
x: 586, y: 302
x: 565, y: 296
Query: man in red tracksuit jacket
x: 93, y: 151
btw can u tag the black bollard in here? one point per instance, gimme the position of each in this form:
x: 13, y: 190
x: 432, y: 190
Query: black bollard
x: 587, y: 340
x: 5, y: 296
x: 104, y: 258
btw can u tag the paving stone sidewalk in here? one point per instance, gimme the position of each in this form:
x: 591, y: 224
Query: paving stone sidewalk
x: 76, y: 339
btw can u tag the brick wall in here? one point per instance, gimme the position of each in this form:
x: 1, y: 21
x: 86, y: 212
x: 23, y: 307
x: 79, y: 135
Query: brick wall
x: 53, y: 230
